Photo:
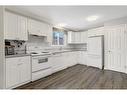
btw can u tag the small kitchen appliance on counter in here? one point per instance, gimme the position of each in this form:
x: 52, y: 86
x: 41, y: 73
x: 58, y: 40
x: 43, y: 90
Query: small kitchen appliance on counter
x: 9, y: 49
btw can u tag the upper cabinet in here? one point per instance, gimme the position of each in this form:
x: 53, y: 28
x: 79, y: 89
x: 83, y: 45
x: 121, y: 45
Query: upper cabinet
x: 37, y: 28
x: 77, y: 37
x: 49, y: 33
x: 40, y: 29
x: 96, y: 31
x: 15, y: 27
x: 83, y: 37
x: 22, y: 28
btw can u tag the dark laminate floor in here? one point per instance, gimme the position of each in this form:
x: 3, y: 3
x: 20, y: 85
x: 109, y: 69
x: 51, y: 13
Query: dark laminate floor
x: 81, y: 77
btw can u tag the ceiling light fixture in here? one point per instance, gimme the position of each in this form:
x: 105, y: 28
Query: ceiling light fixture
x: 60, y: 25
x: 92, y: 18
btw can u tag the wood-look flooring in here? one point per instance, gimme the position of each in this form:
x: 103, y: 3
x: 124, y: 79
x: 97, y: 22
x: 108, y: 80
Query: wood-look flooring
x: 80, y: 77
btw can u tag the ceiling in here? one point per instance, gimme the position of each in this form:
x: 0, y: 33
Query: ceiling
x: 75, y: 16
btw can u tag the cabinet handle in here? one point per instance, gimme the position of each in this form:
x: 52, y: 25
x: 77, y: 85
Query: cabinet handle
x: 109, y: 51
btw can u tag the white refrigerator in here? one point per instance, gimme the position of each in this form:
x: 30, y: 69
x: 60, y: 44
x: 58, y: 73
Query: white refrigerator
x: 95, y: 54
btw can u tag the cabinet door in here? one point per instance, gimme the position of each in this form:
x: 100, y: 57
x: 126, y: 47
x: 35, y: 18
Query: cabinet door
x: 32, y: 27
x: 12, y: 72
x: 22, y: 28
x: 18, y: 71
x: 65, y: 60
x: 44, y: 29
x: 70, y: 37
x: 25, y: 69
x: 96, y: 31
x: 77, y: 38
x: 79, y: 57
x: 11, y: 26
x: 83, y: 37
x: 49, y: 34
x: 83, y: 57
x: 72, y: 60
x: 57, y: 62
x: 37, y: 27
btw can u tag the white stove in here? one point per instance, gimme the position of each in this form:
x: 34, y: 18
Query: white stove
x: 40, y: 64
x: 40, y: 53
x: 35, y: 50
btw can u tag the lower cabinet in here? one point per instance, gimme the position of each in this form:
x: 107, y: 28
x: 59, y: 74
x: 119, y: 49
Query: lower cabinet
x: 18, y: 71
x: 58, y: 62
x: 82, y: 57
x: 71, y: 58
x: 63, y: 60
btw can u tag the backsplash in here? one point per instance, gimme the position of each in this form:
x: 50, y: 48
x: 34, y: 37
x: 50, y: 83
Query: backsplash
x: 36, y: 42
x: 19, y: 46
x: 77, y: 46
x: 39, y: 43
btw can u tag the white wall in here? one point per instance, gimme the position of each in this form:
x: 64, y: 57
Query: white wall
x: 2, y: 55
x: 122, y: 20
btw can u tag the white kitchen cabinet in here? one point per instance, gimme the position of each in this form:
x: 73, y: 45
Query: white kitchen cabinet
x: 25, y: 69
x: 12, y: 72
x: 82, y: 57
x: 49, y: 34
x: 71, y: 37
x: 63, y: 60
x: 58, y: 62
x: 72, y: 59
x: 77, y: 37
x: 11, y: 26
x: 79, y: 54
x: 83, y: 36
x: 15, y: 27
x: 22, y: 28
x: 37, y: 28
x: 18, y: 71
x: 95, y: 31
x: 34, y: 27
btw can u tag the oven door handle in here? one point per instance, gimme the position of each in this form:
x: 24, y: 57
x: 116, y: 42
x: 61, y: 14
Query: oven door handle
x: 42, y: 60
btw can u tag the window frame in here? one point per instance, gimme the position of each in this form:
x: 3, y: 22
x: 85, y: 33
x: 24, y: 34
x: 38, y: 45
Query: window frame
x: 64, y: 39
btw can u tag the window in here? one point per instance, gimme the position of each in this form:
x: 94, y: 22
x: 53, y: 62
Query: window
x: 58, y: 37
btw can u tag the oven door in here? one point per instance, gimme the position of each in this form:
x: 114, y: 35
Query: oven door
x: 40, y: 63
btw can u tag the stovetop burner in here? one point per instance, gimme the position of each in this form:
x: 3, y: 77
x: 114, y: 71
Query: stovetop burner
x: 34, y: 53
x: 38, y: 53
x: 44, y: 52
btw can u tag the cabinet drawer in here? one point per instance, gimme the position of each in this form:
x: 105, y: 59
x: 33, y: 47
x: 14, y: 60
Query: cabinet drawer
x: 41, y: 74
